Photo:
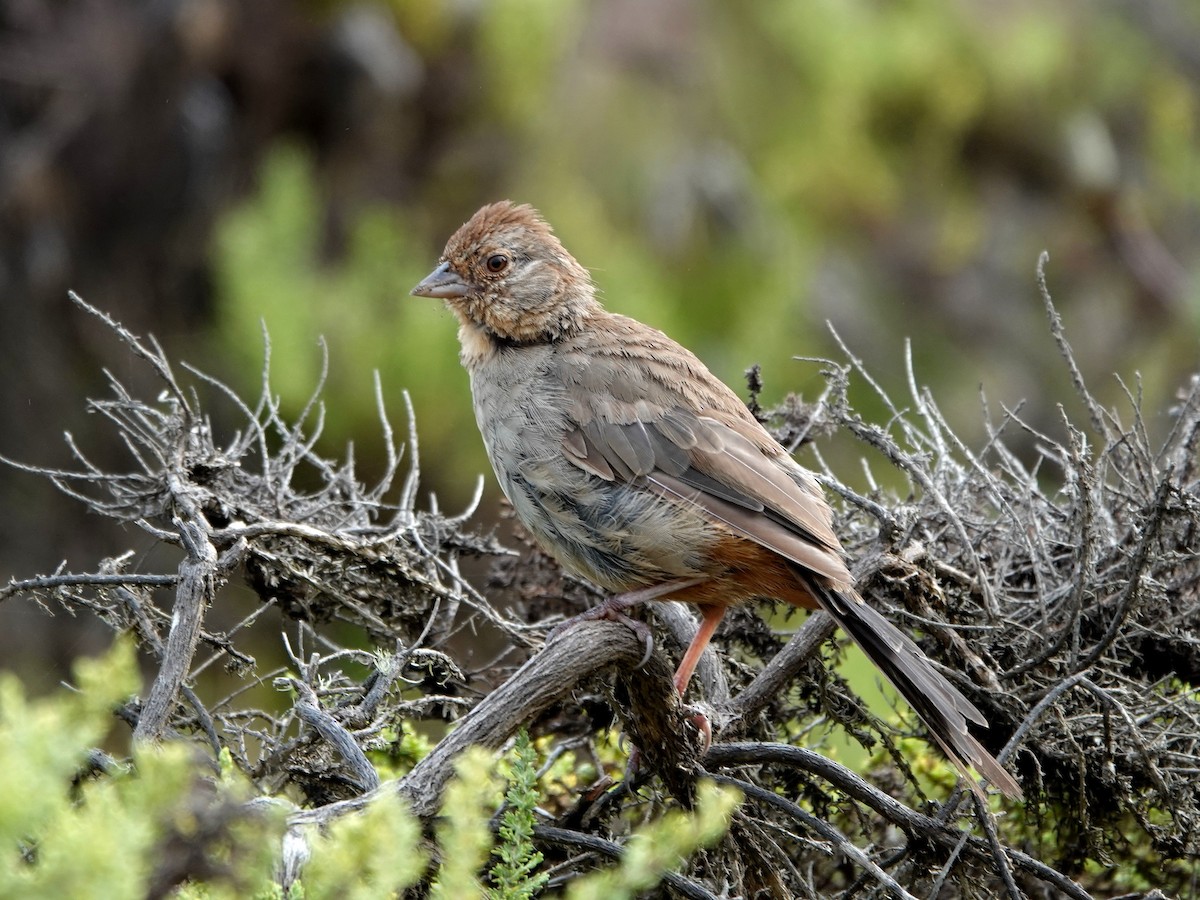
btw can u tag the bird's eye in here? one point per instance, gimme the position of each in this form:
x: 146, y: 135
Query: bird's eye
x: 497, y: 263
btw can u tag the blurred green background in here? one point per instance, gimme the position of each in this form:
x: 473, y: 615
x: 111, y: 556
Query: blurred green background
x: 735, y: 174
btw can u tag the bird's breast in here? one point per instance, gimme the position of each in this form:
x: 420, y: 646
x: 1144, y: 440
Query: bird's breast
x: 521, y: 413
x: 617, y: 534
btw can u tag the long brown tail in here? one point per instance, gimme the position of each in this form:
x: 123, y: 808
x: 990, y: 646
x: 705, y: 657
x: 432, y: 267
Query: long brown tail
x: 941, y: 707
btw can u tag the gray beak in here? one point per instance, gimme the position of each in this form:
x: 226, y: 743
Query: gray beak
x: 441, y: 283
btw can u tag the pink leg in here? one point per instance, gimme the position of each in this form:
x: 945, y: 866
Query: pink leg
x: 712, y: 616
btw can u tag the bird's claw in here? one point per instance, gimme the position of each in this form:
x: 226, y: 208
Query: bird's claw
x: 703, y: 726
x: 613, y: 612
x: 633, y: 765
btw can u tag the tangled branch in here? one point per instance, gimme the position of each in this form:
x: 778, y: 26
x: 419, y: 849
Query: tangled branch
x: 1059, y: 591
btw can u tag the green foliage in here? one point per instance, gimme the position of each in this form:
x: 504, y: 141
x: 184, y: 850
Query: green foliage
x: 372, y: 854
x: 515, y: 874
x: 464, y: 838
x: 115, y: 834
x: 44, y: 743
x: 376, y: 854
x: 661, y: 846
x: 108, y: 835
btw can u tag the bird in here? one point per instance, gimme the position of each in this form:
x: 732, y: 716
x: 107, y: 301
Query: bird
x: 643, y: 473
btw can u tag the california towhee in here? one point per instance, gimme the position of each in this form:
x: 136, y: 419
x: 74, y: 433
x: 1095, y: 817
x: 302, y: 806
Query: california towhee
x: 640, y: 471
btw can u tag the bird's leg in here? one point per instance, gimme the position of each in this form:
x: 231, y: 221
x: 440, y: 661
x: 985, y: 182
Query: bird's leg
x: 613, y: 608
x: 710, y: 618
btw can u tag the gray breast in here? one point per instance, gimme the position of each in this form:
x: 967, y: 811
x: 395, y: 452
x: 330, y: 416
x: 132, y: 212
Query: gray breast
x: 619, y: 535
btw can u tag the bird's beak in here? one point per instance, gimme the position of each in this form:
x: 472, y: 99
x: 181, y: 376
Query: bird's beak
x: 442, y: 283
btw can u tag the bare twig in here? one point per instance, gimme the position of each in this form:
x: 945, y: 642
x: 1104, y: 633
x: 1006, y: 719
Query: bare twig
x: 1085, y: 559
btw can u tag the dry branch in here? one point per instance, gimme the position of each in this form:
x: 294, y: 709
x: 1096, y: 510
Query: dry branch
x: 1061, y: 594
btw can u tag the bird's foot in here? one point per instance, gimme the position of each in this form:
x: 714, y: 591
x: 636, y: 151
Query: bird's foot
x: 633, y: 766
x: 703, y: 727
x: 612, y: 609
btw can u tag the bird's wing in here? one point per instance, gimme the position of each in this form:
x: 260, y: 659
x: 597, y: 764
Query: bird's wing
x: 646, y: 408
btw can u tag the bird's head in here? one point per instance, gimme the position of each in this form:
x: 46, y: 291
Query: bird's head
x: 504, y: 271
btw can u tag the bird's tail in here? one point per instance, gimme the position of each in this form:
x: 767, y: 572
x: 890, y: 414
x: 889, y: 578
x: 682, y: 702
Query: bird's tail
x: 941, y: 707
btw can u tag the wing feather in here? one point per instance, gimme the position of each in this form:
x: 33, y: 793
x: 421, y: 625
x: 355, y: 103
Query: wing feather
x: 665, y: 418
